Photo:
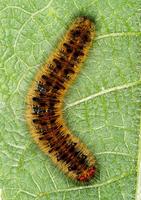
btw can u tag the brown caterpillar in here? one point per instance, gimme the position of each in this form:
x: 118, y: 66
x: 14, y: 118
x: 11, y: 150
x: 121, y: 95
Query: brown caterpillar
x: 45, y: 99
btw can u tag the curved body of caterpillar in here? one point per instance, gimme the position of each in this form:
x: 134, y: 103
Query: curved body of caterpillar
x: 45, y: 99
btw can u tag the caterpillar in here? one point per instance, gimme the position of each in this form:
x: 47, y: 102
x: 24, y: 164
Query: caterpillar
x: 45, y: 101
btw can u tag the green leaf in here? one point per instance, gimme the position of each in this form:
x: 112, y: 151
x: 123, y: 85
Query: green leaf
x: 102, y: 107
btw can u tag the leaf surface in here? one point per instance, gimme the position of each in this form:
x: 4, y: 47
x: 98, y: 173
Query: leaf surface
x: 102, y: 107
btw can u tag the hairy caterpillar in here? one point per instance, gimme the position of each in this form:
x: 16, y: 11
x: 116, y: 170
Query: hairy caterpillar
x: 45, y: 99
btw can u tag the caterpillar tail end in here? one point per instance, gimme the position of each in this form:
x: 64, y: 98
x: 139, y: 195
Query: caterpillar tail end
x: 87, y: 174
